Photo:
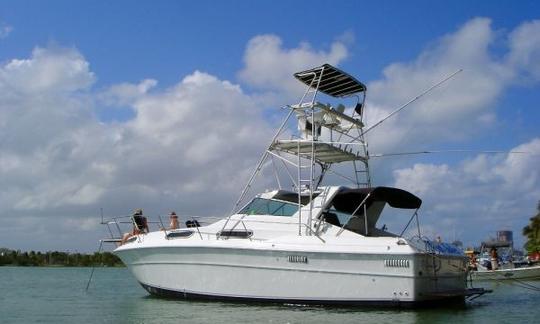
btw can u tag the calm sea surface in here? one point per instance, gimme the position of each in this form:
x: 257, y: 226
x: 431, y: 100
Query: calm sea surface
x: 57, y: 295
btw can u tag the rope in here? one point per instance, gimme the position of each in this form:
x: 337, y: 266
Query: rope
x: 93, y: 267
x: 524, y: 285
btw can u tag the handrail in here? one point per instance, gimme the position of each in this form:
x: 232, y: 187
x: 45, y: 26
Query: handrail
x: 117, y: 221
x: 409, y: 222
x: 314, y: 232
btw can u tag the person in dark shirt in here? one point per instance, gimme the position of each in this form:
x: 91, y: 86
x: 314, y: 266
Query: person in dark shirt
x: 140, y: 226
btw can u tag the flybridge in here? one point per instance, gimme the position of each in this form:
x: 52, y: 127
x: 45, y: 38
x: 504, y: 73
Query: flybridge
x: 326, y: 136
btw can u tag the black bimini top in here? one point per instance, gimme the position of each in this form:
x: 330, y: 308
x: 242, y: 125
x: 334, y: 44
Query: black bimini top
x: 349, y: 199
x: 334, y: 82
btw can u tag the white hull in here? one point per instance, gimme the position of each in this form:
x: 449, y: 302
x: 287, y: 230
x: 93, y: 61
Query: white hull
x: 266, y: 275
x: 525, y: 273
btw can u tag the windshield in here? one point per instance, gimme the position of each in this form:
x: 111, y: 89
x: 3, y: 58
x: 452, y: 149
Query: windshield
x: 260, y: 206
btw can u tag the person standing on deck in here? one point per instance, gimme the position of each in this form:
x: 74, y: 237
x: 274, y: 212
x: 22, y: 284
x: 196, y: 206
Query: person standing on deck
x: 494, y: 258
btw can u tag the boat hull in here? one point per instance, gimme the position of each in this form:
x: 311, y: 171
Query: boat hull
x: 525, y: 273
x: 296, y: 277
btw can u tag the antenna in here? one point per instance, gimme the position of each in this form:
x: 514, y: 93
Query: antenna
x: 413, y: 100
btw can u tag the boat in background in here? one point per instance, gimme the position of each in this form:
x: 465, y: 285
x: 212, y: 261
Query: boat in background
x: 523, y: 273
x: 510, y: 265
x: 309, y: 241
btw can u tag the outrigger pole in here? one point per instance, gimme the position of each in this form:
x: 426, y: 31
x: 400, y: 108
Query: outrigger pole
x: 447, y: 151
x: 412, y: 100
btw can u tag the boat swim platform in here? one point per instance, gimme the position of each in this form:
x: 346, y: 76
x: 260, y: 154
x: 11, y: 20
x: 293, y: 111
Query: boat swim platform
x: 324, y: 152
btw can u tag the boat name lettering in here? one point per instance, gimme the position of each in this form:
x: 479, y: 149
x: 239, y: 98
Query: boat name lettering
x: 297, y: 258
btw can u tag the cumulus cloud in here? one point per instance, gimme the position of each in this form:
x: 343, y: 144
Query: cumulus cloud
x: 42, y: 98
x: 48, y: 70
x: 489, y: 191
x: 190, y: 146
x: 127, y: 93
x: 525, y: 49
x: 460, y: 107
x: 269, y: 66
x: 486, y: 192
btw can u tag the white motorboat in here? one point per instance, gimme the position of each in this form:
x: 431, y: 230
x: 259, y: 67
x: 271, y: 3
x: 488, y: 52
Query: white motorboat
x: 509, y: 267
x: 522, y: 273
x: 308, y: 241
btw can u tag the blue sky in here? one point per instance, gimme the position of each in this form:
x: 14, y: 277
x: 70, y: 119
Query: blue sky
x: 109, y: 71
x: 211, y: 35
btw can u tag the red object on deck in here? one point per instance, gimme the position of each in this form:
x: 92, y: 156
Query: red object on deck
x: 534, y: 257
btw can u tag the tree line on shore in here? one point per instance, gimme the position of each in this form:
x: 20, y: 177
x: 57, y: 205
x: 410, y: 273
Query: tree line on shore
x: 56, y: 258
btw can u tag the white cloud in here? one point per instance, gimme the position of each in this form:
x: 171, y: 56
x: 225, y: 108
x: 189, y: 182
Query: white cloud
x: 191, y: 146
x: 127, y: 93
x: 486, y: 193
x: 5, y: 30
x: 489, y: 192
x: 269, y: 66
x: 49, y: 70
x: 42, y: 99
x: 459, y: 108
x: 525, y: 48
x: 187, y: 145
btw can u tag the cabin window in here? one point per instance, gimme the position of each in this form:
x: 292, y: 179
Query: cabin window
x: 235, y: 234
x: 260, y: 206
x: 342, y: 216
x: 336, y: 217
x: 179, y: 234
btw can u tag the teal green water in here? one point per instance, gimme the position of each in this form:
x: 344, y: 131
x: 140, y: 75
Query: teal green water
x: 57, y: 295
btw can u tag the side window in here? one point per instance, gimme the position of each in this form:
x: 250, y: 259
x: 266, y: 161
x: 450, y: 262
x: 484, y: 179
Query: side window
x: 260, y: 206
x: 342, y: 217
x: 257, y: 206
x: 289, y: 209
